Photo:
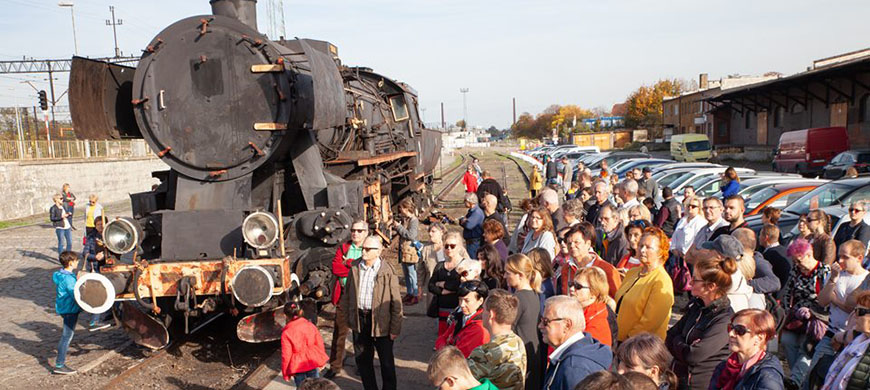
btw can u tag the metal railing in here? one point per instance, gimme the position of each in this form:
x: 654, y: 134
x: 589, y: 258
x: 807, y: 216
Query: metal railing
x: 73, y: 149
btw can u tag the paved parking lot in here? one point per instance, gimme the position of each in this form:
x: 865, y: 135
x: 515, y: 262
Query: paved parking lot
x: 29, y: 327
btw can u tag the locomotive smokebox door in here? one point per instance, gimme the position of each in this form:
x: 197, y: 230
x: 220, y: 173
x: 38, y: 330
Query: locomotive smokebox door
x: 199, y: 95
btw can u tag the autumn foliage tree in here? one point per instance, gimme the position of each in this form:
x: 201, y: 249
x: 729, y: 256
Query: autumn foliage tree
x: 644, y: 105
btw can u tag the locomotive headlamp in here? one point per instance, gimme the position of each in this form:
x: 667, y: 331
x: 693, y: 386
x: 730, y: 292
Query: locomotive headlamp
x: 122, y: 235
x: 260, y: 229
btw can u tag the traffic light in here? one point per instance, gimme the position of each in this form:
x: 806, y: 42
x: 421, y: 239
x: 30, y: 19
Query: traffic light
x: 43, y: 100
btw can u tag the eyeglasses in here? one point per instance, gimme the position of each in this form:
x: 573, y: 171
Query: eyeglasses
x: 740, y: 330
x: 449, y: 246
x: 357, y: 230
x: 861, y: 311
x: 853, y: 210
x: 546, y: 321
x: 371, y: 248
x: 693, y: 206
x: 578, y: 286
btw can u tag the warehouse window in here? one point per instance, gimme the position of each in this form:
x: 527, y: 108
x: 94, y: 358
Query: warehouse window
x: 778, y: 116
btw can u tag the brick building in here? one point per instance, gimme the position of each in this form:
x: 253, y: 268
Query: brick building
x: 833, y: 91
x: 690, y: 112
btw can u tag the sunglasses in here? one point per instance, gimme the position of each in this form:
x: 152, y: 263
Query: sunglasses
x: 856, y: 210
x: 862, y: 311
x: 546, y: 321
x: 370, y: 248
x: 357, y: 230
x: 450, y: 246
x: 693, y: 206
x: 740, y: 330
x: 578, y: 286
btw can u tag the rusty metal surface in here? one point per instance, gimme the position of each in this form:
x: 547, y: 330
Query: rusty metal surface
x: 100, y: 100
x: 142, y: 328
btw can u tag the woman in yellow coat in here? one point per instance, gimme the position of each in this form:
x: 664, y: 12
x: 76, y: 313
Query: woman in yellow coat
x: 644, y: 301
x: 536, y: 182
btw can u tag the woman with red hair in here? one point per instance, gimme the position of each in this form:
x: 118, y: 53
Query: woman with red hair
x: 749, y: 366
x: 644, y: 300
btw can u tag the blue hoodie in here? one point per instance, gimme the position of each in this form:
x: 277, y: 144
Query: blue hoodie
x: 65, y: 303
x: 579, y: 360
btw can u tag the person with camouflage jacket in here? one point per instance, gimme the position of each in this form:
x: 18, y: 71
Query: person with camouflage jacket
x: 503, y: 359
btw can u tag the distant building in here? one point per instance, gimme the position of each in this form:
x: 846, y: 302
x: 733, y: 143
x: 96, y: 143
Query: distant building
x: 456, y: 137
x: 834, y: 91
x: 690, y: 113
x: 605, y: 122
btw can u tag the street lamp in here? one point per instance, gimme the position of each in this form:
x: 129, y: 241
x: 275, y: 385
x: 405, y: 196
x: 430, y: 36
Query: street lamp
x: 73, y: 14
x: 464, y: 91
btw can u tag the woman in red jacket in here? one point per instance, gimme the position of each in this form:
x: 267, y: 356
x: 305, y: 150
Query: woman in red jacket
x: 590, y: 289
x: 302, y: 351
x: 470, y: 179
x: 465, y: 326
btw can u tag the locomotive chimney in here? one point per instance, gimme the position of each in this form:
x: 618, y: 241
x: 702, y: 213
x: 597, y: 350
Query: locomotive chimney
x: 243, y: 10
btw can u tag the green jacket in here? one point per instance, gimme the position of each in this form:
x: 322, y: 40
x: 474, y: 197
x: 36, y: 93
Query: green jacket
x: 485, y: 385
x: 502, y: 361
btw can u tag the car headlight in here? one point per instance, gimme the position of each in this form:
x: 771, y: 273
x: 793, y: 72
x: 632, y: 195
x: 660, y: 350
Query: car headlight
x: 260, y: 229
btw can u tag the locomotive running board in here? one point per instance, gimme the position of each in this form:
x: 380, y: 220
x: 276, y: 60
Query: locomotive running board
x: 142, y: 328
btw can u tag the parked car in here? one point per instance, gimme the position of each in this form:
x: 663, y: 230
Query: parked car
x: 679, y: 165
x: 858, y: 159
x: 777, y: 195
x: 838, y: 192
x: 808, y: 151
x: 749, y: 184
x: 611, y: 157
x: 699, y: 175
x: 626, y: 165
x: 691, y: 147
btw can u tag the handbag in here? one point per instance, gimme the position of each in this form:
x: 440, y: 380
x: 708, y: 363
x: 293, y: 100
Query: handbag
x: 681, y: 276
x: 432, y: 310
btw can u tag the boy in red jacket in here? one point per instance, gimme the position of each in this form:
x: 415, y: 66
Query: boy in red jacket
x: 302, y: 351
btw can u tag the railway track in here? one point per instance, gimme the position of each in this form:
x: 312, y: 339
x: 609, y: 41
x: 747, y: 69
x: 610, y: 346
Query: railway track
x: 453, y: 182
x: 519, y: 167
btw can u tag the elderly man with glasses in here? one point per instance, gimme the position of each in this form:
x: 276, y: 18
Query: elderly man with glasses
x: 374, y: 313
x: 857, y: 228
x: 576, y: 353
x: 341, y: 264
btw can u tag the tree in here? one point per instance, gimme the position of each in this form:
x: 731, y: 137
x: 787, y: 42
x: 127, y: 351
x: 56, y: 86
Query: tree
x: 644, y: 105
x: 461, y: 124
x: 568, y: 118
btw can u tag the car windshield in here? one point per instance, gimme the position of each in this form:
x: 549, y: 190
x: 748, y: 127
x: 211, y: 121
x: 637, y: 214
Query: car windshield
x: 759, y: 197
x: 698, y: 146
x: 746, y: 192
x: 823, y: 196
x: 699, y: 181
x: 709, y: 188
x: 666, y: 181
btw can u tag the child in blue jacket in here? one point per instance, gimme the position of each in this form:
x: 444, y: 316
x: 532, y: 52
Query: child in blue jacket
x: 65, y: 305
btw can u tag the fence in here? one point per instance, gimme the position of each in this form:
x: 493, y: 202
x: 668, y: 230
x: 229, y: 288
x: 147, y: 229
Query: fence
x: 74, y: 149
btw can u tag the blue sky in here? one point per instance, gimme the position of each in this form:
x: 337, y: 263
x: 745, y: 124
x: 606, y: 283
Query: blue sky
x: 590, y: 53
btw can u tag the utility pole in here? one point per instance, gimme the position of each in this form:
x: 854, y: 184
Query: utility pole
x: 464, y: 91
x: 115, y: 23
x: 514, y: 103
x: 73, y: 14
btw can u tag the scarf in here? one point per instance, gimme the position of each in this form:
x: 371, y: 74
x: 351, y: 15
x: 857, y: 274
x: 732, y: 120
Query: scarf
x: 734, y: 370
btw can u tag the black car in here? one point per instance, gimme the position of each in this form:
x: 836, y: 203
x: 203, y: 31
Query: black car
x: 859, y: 159
x: 839, y: 192
x: 612, y: 157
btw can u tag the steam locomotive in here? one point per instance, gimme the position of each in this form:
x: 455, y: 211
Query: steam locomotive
x: 274, y: 148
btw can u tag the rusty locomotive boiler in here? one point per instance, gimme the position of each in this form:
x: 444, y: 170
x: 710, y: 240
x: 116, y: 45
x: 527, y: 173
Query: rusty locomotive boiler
x: 274, y: 147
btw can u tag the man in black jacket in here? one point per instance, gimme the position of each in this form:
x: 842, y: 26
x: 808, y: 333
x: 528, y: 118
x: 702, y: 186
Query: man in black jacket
x: 856, y: 229
x: 669, y: 213
x: 491, y: 186
x: 600, y: 195
x: 775, y: 253
x: 611, y: 243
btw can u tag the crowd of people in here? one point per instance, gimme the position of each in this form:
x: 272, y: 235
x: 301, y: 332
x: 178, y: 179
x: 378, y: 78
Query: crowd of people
x: 596, y: 269
x: 582, y: 292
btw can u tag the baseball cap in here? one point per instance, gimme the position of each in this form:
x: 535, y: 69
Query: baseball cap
x: 647, y: 169
x: 725, y: 244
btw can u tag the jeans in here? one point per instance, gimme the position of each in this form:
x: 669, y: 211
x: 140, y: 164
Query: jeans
x: 364, y: 346
x: 69, y: 326
x: 410, y: 278
x: 472, y: 245
x: 822, y: 349
x: 300, y: 377
x: 63, y: 234
x: 796, y: 354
